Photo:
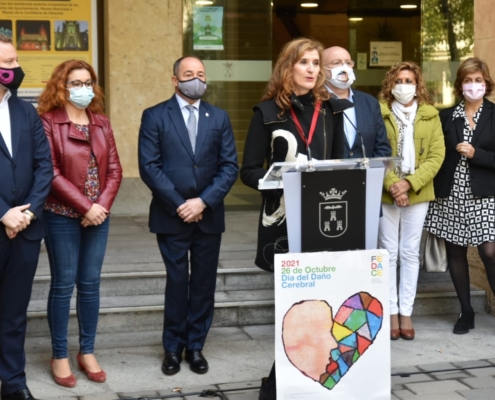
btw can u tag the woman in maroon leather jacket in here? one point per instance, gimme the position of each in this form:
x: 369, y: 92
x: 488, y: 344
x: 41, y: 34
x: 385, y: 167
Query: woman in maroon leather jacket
x: 87, y: 176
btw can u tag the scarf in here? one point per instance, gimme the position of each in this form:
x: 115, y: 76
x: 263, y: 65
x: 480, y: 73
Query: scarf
x: 407, y: 115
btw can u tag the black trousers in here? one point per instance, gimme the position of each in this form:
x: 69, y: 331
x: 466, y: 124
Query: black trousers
x: 18, y: 262
x: 189, y: 300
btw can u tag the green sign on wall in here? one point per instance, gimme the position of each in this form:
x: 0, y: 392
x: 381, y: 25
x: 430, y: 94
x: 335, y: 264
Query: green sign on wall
x: 207, y: 28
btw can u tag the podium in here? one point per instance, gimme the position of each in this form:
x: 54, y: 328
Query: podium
x: 331, y: 205
x: 332, y: 305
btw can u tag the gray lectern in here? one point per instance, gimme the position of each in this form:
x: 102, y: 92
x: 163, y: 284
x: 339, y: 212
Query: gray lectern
x: 331, y: 205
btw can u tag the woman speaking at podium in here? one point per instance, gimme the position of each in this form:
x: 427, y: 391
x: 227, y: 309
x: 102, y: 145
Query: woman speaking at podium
x: 415, y: 134
x: 294, y: 119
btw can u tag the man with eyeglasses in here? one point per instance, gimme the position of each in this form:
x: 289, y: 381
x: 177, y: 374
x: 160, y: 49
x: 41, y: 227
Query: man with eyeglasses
x: 25, y: 175
x: 365, y: 115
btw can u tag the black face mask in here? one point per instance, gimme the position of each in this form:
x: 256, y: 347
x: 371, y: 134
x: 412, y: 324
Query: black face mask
x: 11, y: 78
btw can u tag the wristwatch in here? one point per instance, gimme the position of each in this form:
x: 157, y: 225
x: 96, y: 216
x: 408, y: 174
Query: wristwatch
x: 31, y: 214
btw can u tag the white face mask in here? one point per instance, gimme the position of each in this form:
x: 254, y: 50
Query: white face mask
x: 404, y: 93
x: 81, y: 98
x: 473, y: 91
x: 342, y: 76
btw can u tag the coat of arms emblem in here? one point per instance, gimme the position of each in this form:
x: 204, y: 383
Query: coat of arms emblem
x: 333, y: 214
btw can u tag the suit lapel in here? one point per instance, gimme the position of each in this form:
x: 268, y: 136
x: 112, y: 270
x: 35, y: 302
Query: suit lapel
x: 203, y: 122
x: 3, y: 147
x: 175, y: 115
x: 15, y: 133
x: 360, y: 118
x: 484, y: 118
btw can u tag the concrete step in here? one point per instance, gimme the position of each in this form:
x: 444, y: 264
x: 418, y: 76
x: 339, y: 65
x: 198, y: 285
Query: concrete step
x: 133, y: 266
x: 133, y: 282
x: 232, y: 308
x: 145, y: 312
x: 153, y: 282
x: 436, y: 295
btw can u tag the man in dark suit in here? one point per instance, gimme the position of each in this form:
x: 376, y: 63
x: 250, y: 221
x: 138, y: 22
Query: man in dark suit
x: 187, y: 157
x: 365, y: 115
x: 25, y: 174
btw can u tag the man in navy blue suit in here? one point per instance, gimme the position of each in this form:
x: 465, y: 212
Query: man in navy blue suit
x: 25, y: 176
x: 365, y: 115
x: 187, y: 157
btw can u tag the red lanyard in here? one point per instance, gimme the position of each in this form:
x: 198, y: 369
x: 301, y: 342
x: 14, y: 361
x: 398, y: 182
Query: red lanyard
x: 307, y: 141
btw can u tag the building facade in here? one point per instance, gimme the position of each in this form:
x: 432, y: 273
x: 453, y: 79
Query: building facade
x: 141, y: 40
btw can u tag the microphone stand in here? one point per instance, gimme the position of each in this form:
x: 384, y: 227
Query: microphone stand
x: 311, y: 166
x: 366, y: 161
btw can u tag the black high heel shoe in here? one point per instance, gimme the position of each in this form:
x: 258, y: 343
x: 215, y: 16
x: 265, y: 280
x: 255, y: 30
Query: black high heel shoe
x: 464, y: 323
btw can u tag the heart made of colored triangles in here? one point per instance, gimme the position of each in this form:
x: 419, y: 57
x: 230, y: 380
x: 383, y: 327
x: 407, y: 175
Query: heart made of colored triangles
x: 324, y: 347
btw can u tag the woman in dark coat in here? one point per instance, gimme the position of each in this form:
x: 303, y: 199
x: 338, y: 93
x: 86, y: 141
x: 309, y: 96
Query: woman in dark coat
x: 295, y: 94
x: 464, y: 211
x: 294, y: 117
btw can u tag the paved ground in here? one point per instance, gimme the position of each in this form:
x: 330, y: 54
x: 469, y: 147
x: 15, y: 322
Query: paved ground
x: 240, y: 356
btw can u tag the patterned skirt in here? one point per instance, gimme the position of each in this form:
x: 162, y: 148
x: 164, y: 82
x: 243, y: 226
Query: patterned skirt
x: 462, y: 218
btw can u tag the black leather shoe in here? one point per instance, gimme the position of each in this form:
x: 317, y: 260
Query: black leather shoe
x: 171, y: 363
x: 23, y: 394
x: 464, y: 323
x: 267, y: 390
x: 197, y: 362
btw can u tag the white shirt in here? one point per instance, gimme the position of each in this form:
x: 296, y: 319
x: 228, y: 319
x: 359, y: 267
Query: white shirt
x: 5, y: 121
x: 185, y: 111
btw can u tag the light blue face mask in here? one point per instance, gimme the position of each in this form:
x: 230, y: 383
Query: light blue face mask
x: 81, y: 98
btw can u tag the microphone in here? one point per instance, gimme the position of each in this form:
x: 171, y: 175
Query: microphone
x: 359, y: 133
x: 339, y: 106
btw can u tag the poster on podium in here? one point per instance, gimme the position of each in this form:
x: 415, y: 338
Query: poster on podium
x: 332, y: 338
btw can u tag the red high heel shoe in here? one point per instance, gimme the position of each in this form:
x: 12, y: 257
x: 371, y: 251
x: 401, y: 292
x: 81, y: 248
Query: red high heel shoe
x: 98, y: 377
x: 69, y: 381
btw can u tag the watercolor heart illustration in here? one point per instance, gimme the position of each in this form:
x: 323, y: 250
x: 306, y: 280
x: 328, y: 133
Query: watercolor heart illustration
x: 324, y: 348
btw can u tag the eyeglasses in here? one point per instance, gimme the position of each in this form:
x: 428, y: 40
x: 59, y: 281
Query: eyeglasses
x: 341, y: 63
x: 79, y: 84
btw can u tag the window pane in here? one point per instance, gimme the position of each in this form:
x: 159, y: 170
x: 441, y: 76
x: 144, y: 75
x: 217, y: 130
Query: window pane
x: 448, y: 39
x: 237, y: 73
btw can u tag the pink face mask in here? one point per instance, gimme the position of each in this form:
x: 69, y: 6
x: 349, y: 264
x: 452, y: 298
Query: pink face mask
x: 473, y: 91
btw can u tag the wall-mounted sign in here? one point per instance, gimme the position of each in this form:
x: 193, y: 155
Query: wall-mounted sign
x: 238, y: 70
x: 46, y: 33
x: 208, y: 28
x: 362, y: 60
x: 385, y: 54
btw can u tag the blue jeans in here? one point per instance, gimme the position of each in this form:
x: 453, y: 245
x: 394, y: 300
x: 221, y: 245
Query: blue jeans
x: 76, y: 257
